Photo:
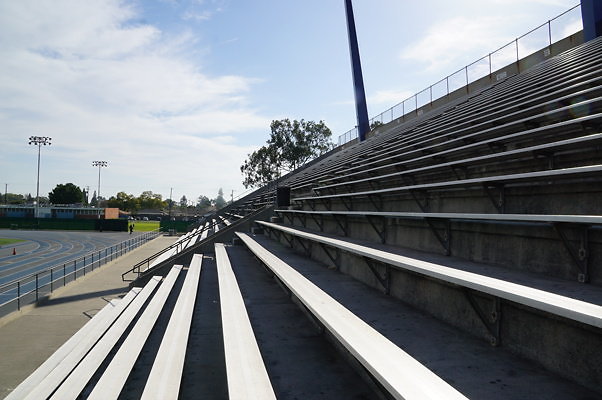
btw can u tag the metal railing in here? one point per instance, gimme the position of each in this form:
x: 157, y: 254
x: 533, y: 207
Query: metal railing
x: 535, y: 40
x: 30, y: 288
x: 179, y: 245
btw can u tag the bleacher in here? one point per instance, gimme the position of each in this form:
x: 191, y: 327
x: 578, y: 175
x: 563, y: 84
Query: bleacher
x: 456, y: 255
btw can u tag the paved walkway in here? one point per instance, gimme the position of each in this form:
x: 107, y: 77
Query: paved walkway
x: 29, y: 337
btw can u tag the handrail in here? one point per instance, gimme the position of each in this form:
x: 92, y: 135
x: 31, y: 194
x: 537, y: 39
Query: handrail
x: 413, y: 106
x: 20, y: 288
x: 136, y: 268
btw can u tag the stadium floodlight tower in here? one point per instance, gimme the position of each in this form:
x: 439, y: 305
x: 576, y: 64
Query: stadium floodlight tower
x: 99, y: 164
x: 591, y: 14
x: 39, y: 141
x: 361, y: 109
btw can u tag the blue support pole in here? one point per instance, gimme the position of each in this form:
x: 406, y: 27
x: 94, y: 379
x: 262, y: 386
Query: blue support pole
x: 358, y: 81
x: 591, y: 13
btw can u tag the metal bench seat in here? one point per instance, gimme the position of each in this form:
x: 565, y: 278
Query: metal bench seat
x: 568, y: 144
x: 562, y: 306
x: 245, y: 369
x: 531, y: 218
x: 166, y: 374
x: 81, y: 364
x: 76, y: 347
x: 401, y: 375
x: 383, y: 140
x: 553, y: 174
x: 115, y: 375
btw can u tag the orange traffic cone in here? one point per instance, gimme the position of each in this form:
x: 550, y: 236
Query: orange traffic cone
x: 14, y: 251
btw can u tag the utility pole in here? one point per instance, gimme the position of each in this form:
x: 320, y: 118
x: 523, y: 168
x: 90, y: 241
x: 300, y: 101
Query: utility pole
x: 232, y: 196
x: 6, y: 193
x: 170, y: 202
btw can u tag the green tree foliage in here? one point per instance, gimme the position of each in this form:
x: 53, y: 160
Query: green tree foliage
x: 203, y: 202
x: 291, y: 145
x: 124, y: 201
x: 13, y: 198
x: 183, y: 202
x: 219, y: 201
x: 94, y: 200
x: 66, y: 194
x: 375, y: 124
x: 151, y: 201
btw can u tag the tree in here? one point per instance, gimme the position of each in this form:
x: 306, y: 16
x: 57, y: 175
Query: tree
x: 94, y: 200
x: 66, y: 194
x: 203, y: 202
x: 151, y: 201
x: 375, y: 124
x: 219, y: 201
x: 124, y: 201
x: 291, y: 145
x: 13, y: 198
x: 183, y: 201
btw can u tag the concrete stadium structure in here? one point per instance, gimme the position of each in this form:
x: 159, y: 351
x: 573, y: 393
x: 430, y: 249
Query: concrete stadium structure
x: 453, y: 255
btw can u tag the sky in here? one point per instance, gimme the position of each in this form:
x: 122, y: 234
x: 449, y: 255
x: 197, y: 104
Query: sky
x: 174, y: 94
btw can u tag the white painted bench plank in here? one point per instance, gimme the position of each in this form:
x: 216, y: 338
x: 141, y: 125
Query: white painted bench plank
x: 247, y: 376
x: 77, y: 345
x: 525, y: 176
x: 397, y: 371
x: 582, y: 219
x: 111, y: 382
x: 166, y: 374
x: 563, y: 306
x: 77, y: 380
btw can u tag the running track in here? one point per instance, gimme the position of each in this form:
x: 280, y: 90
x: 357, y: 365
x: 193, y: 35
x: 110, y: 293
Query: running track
x: 44, y: 249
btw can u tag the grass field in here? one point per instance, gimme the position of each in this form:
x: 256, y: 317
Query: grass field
x: 5, y: 241
x: 145, y: 226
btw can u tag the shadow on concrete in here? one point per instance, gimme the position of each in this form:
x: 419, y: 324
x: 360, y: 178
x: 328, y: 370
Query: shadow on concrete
x: 83, y: 296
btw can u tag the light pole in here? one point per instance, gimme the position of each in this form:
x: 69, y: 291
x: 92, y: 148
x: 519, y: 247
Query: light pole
x: 39, y: 141
x: 99, y: 164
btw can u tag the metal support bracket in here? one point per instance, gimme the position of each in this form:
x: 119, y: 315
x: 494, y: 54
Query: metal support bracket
x: 288, y: 240
x: 303, y: 219
x: 385, y: 280
x: 342, y: 223
x: 290, y: 217
x: 380, y: 227
x: 307, y: 247
x: 460, y: 171
x: 376, y: 201
x: 374, y: 185
x: 445, y: 237
x: 348, y: 203
x: 498, y: 199
x: 490, y: 318
x: 423, y: 204
x: 334, y: 258
x: 318, y: 221
x: 326, y: 203
x: 549, y: 156
x: 580, y: 254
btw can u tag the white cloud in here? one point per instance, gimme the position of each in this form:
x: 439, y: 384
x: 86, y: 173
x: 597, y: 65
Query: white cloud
x: 388, y: 97
x: 444, y: 42
x: 104, y: 86
x: 197, y: 16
